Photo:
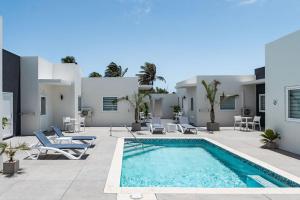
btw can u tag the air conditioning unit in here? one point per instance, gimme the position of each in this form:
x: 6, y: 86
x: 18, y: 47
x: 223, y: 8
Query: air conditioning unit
x: 86, y: 111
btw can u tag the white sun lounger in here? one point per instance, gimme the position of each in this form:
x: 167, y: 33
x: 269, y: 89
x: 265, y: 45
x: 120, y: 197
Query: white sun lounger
x: 45, y: 146
x: 185, y: 126
x: 156, y: 126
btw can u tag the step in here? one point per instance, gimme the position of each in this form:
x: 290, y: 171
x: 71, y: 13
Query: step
x: 262, y: 181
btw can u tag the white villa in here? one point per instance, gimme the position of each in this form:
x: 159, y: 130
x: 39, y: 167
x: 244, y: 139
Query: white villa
x: 48, y: 92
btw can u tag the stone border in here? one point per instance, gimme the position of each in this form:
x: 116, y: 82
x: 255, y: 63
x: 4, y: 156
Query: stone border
x: 114, y: 175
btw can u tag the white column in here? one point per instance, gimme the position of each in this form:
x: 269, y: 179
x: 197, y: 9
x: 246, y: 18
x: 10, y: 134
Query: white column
x: 1, y: 45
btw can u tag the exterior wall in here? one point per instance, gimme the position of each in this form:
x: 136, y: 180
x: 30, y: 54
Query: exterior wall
x: 30, y: 103
x: 93, y: 91
x: 167, y: 101
x: 11, y: 71
x: 1, y: 46
x: 230, y: 85
x: 35, y: 68
x: 282, y: 70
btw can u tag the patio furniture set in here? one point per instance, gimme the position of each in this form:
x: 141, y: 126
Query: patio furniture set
x: 73, y: 125
x: 243, y: 122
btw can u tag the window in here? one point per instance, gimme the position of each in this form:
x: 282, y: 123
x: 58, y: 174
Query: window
x: 192, y: 104
x: 79, y: 103
x: 43, y: 105
x: 262, y: 102
x: 227, y: 104
x: 110, y: 104
x: 293, y: 103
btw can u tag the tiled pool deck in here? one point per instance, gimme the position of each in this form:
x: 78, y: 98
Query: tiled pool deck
x: 54, y: 177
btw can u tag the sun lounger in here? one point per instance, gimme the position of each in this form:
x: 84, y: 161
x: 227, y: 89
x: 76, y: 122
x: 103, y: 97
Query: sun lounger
x: 156, y: 126
x: 185, y: 126
x: 59, y: 133
x: 45, y: 145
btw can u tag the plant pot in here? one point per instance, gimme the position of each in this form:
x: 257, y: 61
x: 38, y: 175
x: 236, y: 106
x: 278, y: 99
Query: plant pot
x: 270, y: 145
x: 10, y: 167
x: 212, y: 126
x: 136, y: 126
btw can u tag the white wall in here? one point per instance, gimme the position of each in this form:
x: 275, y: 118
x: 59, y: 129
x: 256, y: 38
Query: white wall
x: 94, y: 89
x: 230, y: 85
x: 282, y: 70
x: 1, y: 46
x: 167, y: 101
x: 30, y: 103
x: 35, y: 68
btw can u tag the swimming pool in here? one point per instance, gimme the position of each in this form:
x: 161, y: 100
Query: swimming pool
x: 191, y: 163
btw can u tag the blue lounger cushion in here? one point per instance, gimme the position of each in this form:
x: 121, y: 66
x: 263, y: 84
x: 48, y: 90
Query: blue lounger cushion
x: 59, y: 133
x: 45, y: 142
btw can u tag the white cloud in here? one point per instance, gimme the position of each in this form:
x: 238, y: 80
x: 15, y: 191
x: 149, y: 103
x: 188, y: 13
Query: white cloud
x: 137, y: 8
x: 246, y: 2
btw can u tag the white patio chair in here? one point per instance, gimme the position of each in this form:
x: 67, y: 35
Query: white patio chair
x: 185, y: 127
x: 67, y: 123
x: 238, y: 121
x: 255, y: 122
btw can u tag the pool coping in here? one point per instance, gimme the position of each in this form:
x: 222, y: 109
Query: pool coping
x: 113, y: 180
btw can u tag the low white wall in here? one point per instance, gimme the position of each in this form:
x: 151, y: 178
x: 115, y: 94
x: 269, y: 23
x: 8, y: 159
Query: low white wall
x: 282, y: 70
x: 167, y: 101
x: 93, y: 91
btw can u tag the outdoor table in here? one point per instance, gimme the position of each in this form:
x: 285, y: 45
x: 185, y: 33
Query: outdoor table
x: 246, y: 120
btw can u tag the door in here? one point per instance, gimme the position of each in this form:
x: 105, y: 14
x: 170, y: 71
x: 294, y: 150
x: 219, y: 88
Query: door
x: 8, y: 114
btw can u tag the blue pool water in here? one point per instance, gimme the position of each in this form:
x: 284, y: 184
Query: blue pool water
x: 191, y: 163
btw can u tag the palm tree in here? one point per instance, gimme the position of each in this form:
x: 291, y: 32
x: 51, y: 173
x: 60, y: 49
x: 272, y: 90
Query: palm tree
x: 211, y: 91
x: 69, y: 59
x: 114, y: 70
x: 95, y: 75
x: 148, y: 75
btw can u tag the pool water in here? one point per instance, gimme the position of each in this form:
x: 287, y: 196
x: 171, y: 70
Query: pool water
x: 191, y: 163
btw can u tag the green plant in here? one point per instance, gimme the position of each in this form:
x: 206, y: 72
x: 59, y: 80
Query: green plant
x: 161, y: 91
x: 95, y: 75
x: 114, y: 70
x: 176, y: 109
x: 269, y: 136
x: 4, y: 122
x: 11, y: 151
x: 69, y: 59
x: 147, y: 75
x: 135, y: 101
x: 211, y: 91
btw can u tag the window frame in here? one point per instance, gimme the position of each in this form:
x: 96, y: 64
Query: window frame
x: 287, y: 103
x: 109, y: 110
x: 45, y: 110
x: 259, y: 103
x: 228, y: 109
x: 192, y: 104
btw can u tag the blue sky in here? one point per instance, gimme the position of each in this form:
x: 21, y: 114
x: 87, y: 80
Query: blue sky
x: 183, y: 38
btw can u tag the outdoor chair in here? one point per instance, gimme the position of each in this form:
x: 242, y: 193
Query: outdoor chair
x: 185, y: 127
x: 45, y: 146
x: 156, y: 126
x: 67, y: 123
x: 238, y: 121
x: 59, y: 134
x: 255, y: 122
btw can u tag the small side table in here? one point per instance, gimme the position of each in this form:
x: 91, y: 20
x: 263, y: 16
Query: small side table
x: 171, y: 127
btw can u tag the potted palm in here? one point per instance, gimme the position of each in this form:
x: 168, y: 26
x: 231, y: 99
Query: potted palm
x: 211, y: 91
x: 11, y: 166
x: 269, y: 139
x: 136, y: 101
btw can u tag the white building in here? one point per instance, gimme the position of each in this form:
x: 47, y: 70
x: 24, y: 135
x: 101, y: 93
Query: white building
x: 49, y: 92
x: 1, y: 46
x: 283, y: 90
x: 194, y: 104
x: 99, y: 95
x: 162, y: 105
